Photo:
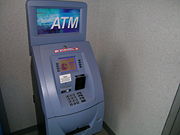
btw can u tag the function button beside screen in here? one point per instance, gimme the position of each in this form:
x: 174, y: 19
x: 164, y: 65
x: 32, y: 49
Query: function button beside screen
x: 57, y: 67
x: 80, y: 64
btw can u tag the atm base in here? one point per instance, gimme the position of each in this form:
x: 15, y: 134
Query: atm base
x: 87, y: 122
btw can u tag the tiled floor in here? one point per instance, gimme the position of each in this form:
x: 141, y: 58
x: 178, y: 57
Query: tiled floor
x: 103, y: 132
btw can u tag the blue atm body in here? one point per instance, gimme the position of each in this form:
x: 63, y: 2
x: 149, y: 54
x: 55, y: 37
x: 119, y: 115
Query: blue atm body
x: 69, y: 90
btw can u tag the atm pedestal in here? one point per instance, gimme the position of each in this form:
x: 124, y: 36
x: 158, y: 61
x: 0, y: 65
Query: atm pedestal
x: 68, y: 92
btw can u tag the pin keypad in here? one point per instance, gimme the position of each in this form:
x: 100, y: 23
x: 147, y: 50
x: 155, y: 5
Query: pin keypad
x: 73, y: 100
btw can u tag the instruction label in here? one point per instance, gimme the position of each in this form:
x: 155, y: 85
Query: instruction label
x: 65, y: 78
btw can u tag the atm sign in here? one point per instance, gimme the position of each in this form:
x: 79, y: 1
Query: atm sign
x: 65, y: 50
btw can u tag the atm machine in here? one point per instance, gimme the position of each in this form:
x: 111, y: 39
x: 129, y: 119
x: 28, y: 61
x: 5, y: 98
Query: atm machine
x: 68, y: 92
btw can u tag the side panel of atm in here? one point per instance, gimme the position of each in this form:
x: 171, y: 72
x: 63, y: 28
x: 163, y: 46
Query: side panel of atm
x: 42, y: 92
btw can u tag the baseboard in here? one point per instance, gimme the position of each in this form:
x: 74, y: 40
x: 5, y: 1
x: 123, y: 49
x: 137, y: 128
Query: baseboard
x: 33, y: 128
x: 108, y: 129
x: 25, y: 130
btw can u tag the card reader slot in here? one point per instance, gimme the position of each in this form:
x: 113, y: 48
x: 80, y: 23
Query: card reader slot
x: 80, y: 82
x: 78, y: 130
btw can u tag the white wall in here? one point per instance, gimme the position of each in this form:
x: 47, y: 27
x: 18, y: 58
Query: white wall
x: 15, y: 76
x: 137, y: 46
x: 141, y: 67
x: 136, y: 43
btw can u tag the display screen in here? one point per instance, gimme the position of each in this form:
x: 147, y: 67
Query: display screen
x: 67, y: 64
x: 56, y: 20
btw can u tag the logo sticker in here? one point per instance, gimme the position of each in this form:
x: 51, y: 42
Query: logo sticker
x: 65, y: 50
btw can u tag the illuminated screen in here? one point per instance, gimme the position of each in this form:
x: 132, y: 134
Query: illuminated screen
x: 55, y: 20
x: 67, y: 64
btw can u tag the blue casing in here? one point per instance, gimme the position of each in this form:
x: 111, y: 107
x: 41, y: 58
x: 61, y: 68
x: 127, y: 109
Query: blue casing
x: 60, y: 116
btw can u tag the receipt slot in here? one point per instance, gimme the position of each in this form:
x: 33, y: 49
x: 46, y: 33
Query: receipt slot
x: 68, y: 92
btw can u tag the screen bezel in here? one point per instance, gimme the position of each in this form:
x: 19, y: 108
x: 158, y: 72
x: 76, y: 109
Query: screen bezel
x: 39, y: 39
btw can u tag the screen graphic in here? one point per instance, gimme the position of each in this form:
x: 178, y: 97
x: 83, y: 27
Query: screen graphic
x: 67, y: 64
x: 54, y: 20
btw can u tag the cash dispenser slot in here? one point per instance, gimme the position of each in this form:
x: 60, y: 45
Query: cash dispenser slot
x: 78, y: 130
x: 80, y: 82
